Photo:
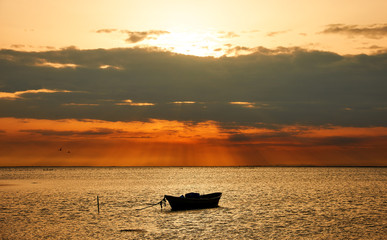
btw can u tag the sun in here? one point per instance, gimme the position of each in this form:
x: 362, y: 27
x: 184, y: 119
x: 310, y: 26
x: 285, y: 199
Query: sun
x: 200, y: 44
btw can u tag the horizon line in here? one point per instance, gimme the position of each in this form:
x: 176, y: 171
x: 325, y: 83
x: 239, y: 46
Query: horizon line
x: 247, y: 166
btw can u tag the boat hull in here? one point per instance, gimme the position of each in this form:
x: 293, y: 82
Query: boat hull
x: 204, y: 201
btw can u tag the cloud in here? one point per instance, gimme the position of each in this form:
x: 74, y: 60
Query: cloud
x: 43, y: 63
x: 18, y: 46
x: 136, y: 104
x: 110, y: 67
x: 375, y: 31
x: 44, y: 132
x: 252, y: 105
x: 40, y: 60
x: 284, y: 86
x: 303, y: 136
x: 19, y: 94
x: 282, y: 139
x: 376, y: 49
x: 106, y: 30
x: 238, y: 50
x: 244, y: 104
x: 80, y: 104
x: 272, y: 34
x: 243, y: 50
x: 184, y: 102
x: 227, y: 34
x: 135, y: 37
x: 131, y: 103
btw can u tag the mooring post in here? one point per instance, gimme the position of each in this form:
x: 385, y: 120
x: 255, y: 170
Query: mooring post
x: 98, y: 203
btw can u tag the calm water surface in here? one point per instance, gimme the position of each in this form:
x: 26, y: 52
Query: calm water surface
x: 257, y: 203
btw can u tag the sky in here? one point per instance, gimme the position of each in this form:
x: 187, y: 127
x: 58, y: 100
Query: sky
x: 193, y: 83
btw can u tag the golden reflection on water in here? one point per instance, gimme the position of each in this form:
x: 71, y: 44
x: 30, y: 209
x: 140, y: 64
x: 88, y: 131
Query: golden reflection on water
x: 264, y: 203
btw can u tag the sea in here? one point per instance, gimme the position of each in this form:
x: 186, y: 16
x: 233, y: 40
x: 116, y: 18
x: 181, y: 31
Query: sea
x: 257, y: 203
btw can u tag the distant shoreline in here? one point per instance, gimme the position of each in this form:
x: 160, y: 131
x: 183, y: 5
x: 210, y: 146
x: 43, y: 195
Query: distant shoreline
x: 255, y: 166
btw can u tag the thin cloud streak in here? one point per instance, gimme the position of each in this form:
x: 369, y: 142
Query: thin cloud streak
x: 228, y: 34
x: 244, y: 104
x: 129, y: 102
x: 106, y: 30
x: 19, y: 94
x: 375, y: 31
x: 135, y: 37
x: 273, y: 34
x: 184, y: 102
x: 80, y: 104
x: 56, y: 65
x: 136, y: 104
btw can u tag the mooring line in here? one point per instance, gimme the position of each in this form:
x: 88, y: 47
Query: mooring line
x: 161, y: 203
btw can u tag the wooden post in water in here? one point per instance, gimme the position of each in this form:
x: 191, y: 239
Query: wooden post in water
x: 98, y: 203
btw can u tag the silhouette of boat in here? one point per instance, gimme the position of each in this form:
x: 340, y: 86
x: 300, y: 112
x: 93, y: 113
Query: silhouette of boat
x: 194, y: 201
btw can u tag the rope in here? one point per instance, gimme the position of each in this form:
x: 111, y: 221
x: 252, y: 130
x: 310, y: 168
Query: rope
x: 162, y: 203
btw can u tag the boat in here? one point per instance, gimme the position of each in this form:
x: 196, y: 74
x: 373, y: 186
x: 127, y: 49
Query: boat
x: 193, y: 201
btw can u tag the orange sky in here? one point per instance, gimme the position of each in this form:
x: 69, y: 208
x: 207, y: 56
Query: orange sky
x: 69, y: 142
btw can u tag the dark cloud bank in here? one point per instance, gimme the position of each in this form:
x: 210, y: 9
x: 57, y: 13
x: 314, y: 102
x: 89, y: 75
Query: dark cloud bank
x: 285, y: 86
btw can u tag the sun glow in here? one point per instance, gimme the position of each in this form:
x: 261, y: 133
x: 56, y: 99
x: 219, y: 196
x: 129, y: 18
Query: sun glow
x: 201, y: 44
